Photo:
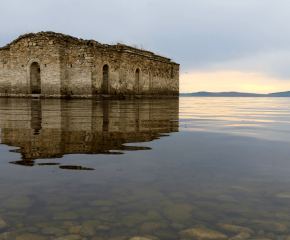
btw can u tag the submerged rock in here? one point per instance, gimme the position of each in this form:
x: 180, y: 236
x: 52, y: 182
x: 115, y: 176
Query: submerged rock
x: 69, y: 224
x: 177, y: 226
x: 234, y: 228
x: 204, y: 216
x: 107, y: 217
x: 153, y: 215
x: 53, y: 231
x: 147, y: 193
x: 226, y: 198
x: 241, y: 236
x: 2, y: 224
x: 202, y: 234
x: 97, y: 238
x: 235, y: 208
x: 36, y: 218
x: 165, y: 234
x: 270, y: 235
x: 119, y: 238
x: 16, y: 214
x: 153, y: 226
x: 86, y: 213
x: 151, y: 237
x: 119, y: 191
x: 20, y: 202
x: 245, y: 189
x: 65, y: 216
x: 137, y: 218
x: 28, y: 236
x: 260, y: 233
x: 102, y: 203
x: 269, y: 226
x: 69, y: 237
x: 7, y: 235
x: 207, y: 205
x: 178, y: 212
x: 75, y: 229
x: 282, y: 215
x: 140, y: 238
x: 87, y: 231
x: 46, y: 225
x: 103, y: 227
x: 26, y: 230
x: 283, y: 195
x: 137, y: 207
x: 234, y: 220
x: 93, y: 223
x: 133, y: 219
x: 177, y: 195
x: 262, y: 239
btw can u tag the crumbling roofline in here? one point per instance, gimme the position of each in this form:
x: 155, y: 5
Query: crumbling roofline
x: 62, y: 38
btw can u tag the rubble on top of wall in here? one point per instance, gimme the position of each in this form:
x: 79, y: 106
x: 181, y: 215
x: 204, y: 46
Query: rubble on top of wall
x: 65, y: 39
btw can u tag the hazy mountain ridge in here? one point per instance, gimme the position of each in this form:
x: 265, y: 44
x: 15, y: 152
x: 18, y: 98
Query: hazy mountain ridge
x: 234, y: 94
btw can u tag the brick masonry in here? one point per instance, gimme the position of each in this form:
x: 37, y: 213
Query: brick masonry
x: 60, y: 66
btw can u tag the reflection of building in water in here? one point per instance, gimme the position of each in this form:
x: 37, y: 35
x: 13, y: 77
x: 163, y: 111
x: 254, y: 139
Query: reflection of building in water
x: 50, y: 128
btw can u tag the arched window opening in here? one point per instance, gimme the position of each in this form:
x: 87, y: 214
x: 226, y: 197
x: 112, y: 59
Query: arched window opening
x: 171, y: 73
x: 105, y: 79
x: 137, y: 79
x: 35, y: 81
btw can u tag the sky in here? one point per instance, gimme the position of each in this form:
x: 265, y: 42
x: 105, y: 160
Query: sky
x: 221, y: 45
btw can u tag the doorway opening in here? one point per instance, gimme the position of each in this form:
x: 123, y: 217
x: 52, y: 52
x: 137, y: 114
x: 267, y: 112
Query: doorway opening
x: 35, y: 82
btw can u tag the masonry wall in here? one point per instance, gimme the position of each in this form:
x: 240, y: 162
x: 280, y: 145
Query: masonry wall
x: 5, y: 82
x: 71, y: 67
x: 16, y: 64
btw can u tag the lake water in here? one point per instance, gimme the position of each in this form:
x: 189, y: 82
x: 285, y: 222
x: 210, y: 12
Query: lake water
x: 193, y: 168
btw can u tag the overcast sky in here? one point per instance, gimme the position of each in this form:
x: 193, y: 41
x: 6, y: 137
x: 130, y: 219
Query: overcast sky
x: 221, y: 45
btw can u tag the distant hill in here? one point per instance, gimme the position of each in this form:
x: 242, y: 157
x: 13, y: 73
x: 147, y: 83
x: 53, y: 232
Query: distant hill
x: 234, y: 94
x: 279, y: 94
x: 185, y: 94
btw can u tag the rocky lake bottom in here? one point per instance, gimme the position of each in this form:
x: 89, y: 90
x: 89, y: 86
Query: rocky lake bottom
x: 193, y: 168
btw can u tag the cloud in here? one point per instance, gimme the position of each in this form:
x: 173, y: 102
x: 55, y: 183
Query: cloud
x: 201, y: 35
x: 274, y: 64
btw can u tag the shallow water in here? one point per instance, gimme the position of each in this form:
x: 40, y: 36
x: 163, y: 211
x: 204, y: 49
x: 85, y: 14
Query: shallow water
x: 119, y: 169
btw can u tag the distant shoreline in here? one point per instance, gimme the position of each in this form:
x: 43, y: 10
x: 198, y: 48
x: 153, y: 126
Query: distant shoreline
x: 234, y: 94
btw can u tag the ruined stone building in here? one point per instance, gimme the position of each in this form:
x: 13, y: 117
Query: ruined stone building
x: 56, y: 65
x: 48, y: 129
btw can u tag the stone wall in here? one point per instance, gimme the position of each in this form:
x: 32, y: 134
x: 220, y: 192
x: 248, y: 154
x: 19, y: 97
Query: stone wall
x: 72, y: 67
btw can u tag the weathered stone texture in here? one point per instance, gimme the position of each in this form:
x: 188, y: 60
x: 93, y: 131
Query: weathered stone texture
x: 71, y: 67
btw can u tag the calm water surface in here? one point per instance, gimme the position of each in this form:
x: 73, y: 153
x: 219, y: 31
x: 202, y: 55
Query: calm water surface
x: 94, y: 170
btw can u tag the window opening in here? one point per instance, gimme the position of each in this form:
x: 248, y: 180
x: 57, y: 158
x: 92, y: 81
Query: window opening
x: 137, y: 78
x: 105, y: 79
